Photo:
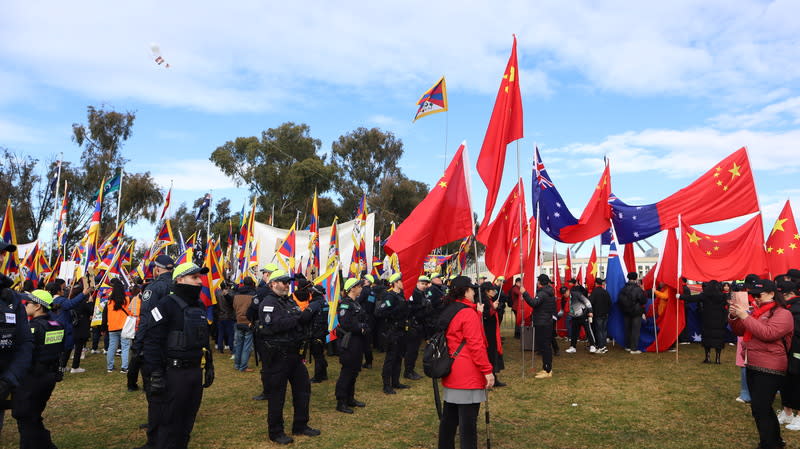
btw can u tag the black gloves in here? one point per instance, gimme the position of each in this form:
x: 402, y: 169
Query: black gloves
x: 158, y: 384
x: 208, y: 375
x: 316, y: 305
x: 307, y: 315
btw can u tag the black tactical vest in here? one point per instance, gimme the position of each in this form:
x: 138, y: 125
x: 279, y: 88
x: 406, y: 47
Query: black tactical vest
x: 8, y: 323
x: 49, y: 341
x: 194, y: 335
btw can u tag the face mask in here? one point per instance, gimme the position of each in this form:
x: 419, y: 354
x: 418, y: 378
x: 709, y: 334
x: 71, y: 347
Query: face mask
x: 188, y: 292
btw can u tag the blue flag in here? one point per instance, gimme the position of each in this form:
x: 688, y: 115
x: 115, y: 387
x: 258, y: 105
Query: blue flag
x: 112, y: 185
x: 634, y: 223
x: 553, y: 213
x: 204, y: 206
x: 615, y: 280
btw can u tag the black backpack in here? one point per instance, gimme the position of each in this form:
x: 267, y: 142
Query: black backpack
x: 436, y: 358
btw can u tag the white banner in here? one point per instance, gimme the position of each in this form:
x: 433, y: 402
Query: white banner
x: 269, y: 239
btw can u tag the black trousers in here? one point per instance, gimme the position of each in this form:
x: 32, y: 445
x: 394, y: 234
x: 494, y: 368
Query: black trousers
x: 790, y: 392
x: 282, y: 370
x: 134, y: 366
x: 395, y: 349
x: 543, y: 340
x: 77, y: 351
x: 463, y: 417
x: 413, y: 341
x: 763, y: 387
x: 633, y: 324
x: 258, y: 344
x: 317, y: 349
x: 368, y: 348
x: 29, y: 401
x: 350, y: 358
x: 153, y: 409
x: 554, y: 339
x: 177, y: 407
x: 576, y: 331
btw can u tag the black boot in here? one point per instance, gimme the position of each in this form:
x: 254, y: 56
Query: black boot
x: 498, y: 383
x: 707, y: 360
x: 353, y: 403
x: 341, y: 406
x: 717, y: 355
x: 412, y: 375
x: 387, y: 389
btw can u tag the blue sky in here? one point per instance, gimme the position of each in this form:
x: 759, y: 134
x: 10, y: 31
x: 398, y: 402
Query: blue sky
x: 665, y: 90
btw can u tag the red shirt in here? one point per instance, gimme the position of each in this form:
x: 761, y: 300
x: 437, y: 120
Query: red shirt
x: 472, y: 364
x: 767, y: 348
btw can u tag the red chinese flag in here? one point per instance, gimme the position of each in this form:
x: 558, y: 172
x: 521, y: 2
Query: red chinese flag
x: 443, y: 216
x: 725, y: 191
x: 630, y: 258
x: 596, y: 216
x: 724, y: 257
x: 783, y: 242
x: 668, y: 270
x: 505, y: 126
x: 591, y: 271
x: 671, y: 322
x: 501, y: 237
x: 568, y: 267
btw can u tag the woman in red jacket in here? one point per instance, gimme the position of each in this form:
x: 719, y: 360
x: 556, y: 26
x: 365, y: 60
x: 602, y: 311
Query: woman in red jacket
x: 764, y: 334
x: 471, y: 373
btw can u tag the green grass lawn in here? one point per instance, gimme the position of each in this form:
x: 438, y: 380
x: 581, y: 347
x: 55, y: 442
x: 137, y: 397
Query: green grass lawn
x: 615, y: 400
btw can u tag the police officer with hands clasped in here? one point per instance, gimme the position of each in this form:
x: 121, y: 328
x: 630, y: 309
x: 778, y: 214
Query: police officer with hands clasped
x: 175, y: 345
x: 16, y: 340
x: 283, y: 328
x: 351, y: 336
x: 393, y: 307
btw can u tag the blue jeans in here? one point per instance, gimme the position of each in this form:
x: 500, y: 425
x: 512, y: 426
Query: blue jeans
x: 242, y: 347
x: 744, y: 392
x: 600, y: 326
x: 225, y: 334
x: 114, y: 339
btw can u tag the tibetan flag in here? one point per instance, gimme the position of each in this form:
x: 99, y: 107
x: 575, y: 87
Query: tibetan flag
x: 287, y: 250
x: 61, y: 228
x: 166, y: 204
x: 782, y: 245
x: 434, y: 261
x: 165, y: 234
x: 505, y: 126
x: 313, y: 242
x: 501, y: 236
x: 56, y: 269
x: 189, y: 243
x: 592, y: 271
x: 184, y: 257
x: 125, y: 257
x: 93, y: 234
x: 724, y: 257
x: 330, y: 282
x: 433, y: 100
x: 29, y: 266
x: 725, y: 191
x: 422, y: 231
x: 359, y: 245
x: 209, y: 285
x: 111, y: 241
x: 9, y: 235
x: 333, y: 249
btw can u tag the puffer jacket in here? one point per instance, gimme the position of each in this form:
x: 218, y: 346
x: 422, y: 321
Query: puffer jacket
x: 544, y: 305
x: 472, y: 364
x: 771, y: 333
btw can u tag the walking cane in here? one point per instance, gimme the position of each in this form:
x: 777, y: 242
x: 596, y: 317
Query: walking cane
x: 488, y: 433
x: 591, y: 331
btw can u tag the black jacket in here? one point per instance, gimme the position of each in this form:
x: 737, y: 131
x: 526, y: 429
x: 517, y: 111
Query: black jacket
x: 544, y: 305
x: 601, y: 302
x: 16, y: 359
x: 633, y: 294
x: 281, y: 322
x: 166, y: 317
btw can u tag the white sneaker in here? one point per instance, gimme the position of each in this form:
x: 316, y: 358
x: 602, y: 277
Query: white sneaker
x: 592, y: 349
x: 783, y: 418
x: 571, y: 350
x: 739, y: 399
x: 233, y: 357
x: 77, y: 370
x: 795, y: 424
x: 636, y: 352
x: 628, y: 349
x: 602, y: 350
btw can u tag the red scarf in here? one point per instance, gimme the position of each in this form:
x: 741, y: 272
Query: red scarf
x: 756, y: 314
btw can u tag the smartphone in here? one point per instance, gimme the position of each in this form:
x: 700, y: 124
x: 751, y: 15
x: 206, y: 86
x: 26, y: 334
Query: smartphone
x: 740, y: 298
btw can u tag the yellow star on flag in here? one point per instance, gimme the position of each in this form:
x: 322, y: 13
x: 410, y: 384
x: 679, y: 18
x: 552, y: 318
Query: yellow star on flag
x: 443, y: 184
x: 708, y: 253
x: 719, y: 183
x: 793, y: 246
x: 735, y: 170
x: 797, y: 236
x: 725, y: 188
x: 779, y: 251
x: 693, y: 237
x: 778, y: 225
x: 716, y: 248
x: 769, y: 250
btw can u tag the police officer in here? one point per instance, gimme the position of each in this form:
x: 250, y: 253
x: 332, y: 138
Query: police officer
x: 367, y: 301
x: 30, y: 398
x: 252, y: 314
x: 319, y: 334
x: 16, y: 340
x: 283, y: 329
x: 394, y: 308
x: 175, y: 344
x: 351, y: 337
x: 419, y: 308
x: 151, y: 296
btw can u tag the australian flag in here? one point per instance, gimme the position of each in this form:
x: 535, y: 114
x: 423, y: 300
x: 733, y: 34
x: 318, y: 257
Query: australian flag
x: 553, y: 213
x: 615, y: 280
x: 634, y: 223
x: 204, y: 206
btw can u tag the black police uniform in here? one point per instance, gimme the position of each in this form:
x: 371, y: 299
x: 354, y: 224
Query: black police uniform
x: 394, y: 309
x: 283, y: 329
x: 319, y: 334
x: 351, y: 339
x: 173, y: 348
x: 367, y: 301
x: 30, y: 398
x: 16, y: 341
x: 262, y: 292
x: 151, y: 296
x: 419, y: 306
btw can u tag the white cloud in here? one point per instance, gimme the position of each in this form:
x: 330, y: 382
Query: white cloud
x: 782, y: 113
x: 253, y: 55
x: 188, y: 174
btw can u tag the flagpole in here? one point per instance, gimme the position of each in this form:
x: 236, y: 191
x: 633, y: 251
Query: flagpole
x: 446, y: 126
x: 55, y: 206
x: 655, y: 286
x: 119, y: 194
x: 678, y: 282
x: 208, y: 221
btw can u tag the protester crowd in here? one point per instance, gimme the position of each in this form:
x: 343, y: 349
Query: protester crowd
x: 159, y: 330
